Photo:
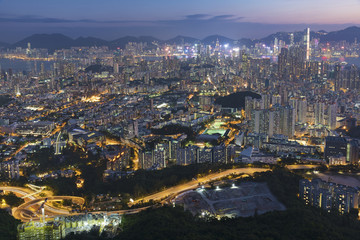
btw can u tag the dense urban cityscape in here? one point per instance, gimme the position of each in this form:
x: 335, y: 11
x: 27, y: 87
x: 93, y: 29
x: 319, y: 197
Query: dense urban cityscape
x: 186, y: 138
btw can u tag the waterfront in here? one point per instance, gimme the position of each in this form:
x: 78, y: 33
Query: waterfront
x: 18, y: 65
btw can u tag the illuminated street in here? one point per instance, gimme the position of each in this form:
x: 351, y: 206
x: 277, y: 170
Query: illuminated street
x: 195, y: 183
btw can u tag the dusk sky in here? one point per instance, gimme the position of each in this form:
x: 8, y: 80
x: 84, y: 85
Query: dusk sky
x: 110, y: 19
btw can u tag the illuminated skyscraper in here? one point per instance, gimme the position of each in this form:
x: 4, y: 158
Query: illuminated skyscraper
x: 307, y: 43
x: 276, y: 46
x: 292, y: 39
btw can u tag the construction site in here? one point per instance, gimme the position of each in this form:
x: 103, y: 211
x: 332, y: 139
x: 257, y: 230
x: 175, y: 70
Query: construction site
x: 244, y: 200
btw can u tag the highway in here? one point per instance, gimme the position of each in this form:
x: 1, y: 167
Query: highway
x: 19, y: 190
x: 301, y: 167
x: 195, y: 183
x: 49, y: 210
x: 25, y: 213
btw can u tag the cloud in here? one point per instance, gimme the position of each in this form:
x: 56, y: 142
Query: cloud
x: 197, y: 16
x: 36, y: 19
x: 14, y: 27
x: 32, y: 19
x: 223, y: 17
x: 207, y: 17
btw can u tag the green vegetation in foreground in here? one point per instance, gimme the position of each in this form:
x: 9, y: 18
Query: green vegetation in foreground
x: 297, y: 222
x: 8, y: 226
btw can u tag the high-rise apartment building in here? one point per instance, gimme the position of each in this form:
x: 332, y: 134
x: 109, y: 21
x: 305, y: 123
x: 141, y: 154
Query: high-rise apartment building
x: 307, y: 43
x: 328, y: 195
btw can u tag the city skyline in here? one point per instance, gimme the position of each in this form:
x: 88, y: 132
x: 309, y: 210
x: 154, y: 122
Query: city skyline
x: 162, y: 19
x: 178, y: 119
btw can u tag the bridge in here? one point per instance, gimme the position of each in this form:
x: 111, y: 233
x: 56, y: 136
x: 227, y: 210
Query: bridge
x: 25, y: 214
x: 36, y: 189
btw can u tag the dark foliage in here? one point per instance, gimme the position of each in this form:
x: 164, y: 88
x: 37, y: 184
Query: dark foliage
x: 174, y: 129
x: 236, y: 100
x: 139, y: 184
x: 12, y: 200
x: 61, y: 186
x: 8, y: 226
x: 45, y: 160
x: 298, y: 222
x: 146, y: 182
x: 4, y: 100
x: 174, y: 223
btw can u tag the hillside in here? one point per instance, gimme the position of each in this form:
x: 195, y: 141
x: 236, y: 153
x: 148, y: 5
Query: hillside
x: 121, y: 42
x: 182, y: 39
x: 349, y: 34
x: 4, y: 45
x: 211, y: 40
x: 60, y: 41
x: 236, y: 100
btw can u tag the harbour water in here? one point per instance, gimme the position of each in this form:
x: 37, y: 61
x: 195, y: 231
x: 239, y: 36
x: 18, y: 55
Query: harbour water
x: 18, y: 65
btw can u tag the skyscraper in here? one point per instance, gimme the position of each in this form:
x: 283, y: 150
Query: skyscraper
x: 302, y: 110
x: 287, y: 121
x: 307, y: 43
x: 276, y: 46
x: 292, y: 39
x: 283, y: 63
x: 332, y: 111
x: 319, y: 113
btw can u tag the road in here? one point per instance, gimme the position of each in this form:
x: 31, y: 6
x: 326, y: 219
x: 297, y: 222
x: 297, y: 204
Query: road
x: 195, y: 183
x: 301, y: 167
x: 56, y: 130
x: 19, y: 190
x: 24, y: 213
x: 49, y: 210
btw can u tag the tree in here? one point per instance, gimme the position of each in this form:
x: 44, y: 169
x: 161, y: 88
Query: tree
x: 67, y: 202
x: 8, y: 226
x: 12, y: 200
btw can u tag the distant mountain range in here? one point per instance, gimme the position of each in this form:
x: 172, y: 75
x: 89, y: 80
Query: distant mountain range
x: 4, y: 45
x: 60, y: 41
x: 182, y: 39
